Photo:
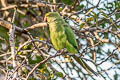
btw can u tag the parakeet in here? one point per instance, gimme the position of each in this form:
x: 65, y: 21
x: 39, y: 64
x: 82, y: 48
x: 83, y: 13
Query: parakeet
x: 62, y: 36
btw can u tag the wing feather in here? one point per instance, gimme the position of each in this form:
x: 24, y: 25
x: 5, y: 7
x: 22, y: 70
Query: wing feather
x: 70, y: 36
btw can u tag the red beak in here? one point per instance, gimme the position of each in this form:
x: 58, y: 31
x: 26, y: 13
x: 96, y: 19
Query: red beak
x: 45, y: 19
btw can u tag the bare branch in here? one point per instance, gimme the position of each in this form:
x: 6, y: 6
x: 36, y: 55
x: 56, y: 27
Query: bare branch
x: 42, y: 62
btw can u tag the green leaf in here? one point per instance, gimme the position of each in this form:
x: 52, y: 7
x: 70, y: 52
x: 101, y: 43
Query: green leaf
x: 4, y: 33
x: 90, y: 19
x: 60, y: 74
x: 26, y: 24
x: 27, y: 47
x: 60, y: 9
x: 117, y: 15
x: 52, y: 75
x: 105, y: 15
x: 106, y: 35
x: 19, y: 53
x: 25, y: 70
x: 10, y: 67
x: 82, y: 25
x: 69, y: 2
x: 116, y: 77
x: 36, y: 59
x: 32, y: 79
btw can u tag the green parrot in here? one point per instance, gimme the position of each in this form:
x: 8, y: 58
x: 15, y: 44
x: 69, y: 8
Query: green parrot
x: 62, y: 37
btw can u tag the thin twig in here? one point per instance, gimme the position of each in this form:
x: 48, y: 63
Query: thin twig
x: 107, y: 57
x: 12, y: 44
x: 45, y: 60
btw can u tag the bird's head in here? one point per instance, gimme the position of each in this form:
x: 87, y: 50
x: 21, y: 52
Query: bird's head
x: 51, y: 16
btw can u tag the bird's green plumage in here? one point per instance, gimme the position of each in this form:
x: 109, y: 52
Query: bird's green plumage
x: 62, y: 36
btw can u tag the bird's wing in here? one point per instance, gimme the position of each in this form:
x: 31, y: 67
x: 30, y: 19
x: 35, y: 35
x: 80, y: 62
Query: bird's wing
x: 72, y: 40
x: 70, y: 36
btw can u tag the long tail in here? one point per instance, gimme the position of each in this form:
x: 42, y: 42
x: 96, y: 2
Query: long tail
x: 84, y: 65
